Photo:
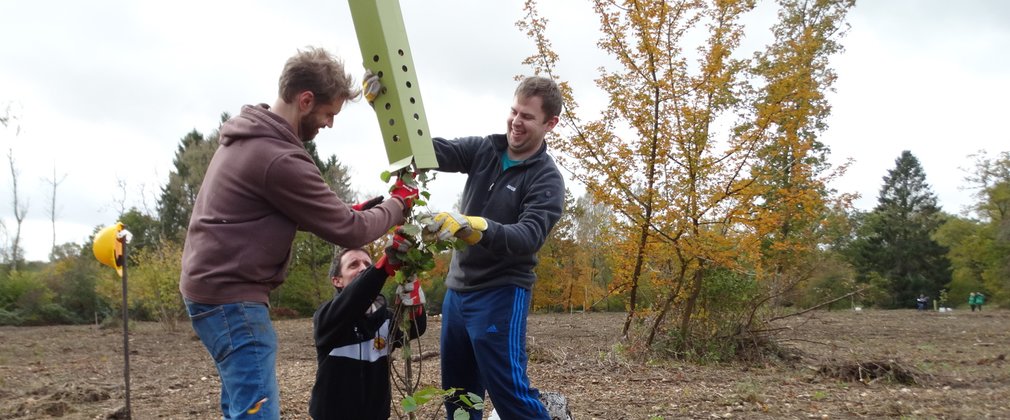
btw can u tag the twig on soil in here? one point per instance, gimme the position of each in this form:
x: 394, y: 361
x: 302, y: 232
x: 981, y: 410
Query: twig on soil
x: 819, y: 305
x: 870, y: 372
x: 771, y: 330
x: 424, y: 355
x: 782, y: 340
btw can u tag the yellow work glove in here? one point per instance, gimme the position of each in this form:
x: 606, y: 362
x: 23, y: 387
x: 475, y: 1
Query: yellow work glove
x: 371, y: 87
x: 468, y: 228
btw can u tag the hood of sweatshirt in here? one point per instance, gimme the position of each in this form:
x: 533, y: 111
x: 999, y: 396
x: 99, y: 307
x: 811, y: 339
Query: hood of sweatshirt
x: 257, y: 121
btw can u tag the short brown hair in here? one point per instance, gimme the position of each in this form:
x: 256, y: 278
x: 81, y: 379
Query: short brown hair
x: 319, y: 72
x: 546, y: 89
x: 338, y: 256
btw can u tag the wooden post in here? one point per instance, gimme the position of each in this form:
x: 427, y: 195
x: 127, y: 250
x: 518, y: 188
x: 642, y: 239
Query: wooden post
x: 126, y: 334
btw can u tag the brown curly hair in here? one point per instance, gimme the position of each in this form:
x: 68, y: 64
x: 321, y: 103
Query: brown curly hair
x: 318, y: 71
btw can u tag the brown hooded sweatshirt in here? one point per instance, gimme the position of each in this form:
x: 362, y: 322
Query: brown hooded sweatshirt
x: 262, y: 186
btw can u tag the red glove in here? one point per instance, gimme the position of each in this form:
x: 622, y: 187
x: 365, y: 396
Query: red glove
x: 365, y: 205
x: 397, y: 246
x: 411, y: 294
x: 404, y: 192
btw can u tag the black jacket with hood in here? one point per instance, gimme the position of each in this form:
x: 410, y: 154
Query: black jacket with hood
x: 353, y: 335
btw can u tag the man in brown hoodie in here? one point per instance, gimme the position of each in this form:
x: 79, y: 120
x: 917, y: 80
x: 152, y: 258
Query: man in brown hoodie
x: 260, y: 188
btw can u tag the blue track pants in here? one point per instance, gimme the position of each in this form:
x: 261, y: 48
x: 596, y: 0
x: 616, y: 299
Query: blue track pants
x: 484, y: 349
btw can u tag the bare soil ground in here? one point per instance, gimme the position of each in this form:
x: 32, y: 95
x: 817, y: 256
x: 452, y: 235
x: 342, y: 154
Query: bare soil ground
x: 956, y: 362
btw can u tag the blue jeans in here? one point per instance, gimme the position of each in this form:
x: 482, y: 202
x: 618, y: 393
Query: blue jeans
x: 484, y: 350
x: 243, y: 344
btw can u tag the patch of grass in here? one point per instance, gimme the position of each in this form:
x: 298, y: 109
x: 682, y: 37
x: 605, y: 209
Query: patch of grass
x: 617, y: 356
x: 750, y: 391
x: 618, y: 349
x: 819, y: 395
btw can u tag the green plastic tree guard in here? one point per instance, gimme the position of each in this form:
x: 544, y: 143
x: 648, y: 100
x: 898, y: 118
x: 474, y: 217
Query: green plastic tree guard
x: 384, y: 50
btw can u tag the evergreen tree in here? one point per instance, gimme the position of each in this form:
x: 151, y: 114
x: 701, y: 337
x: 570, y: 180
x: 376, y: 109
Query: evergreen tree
x: 335, y: 174
x: 145, y: 229
x: 308, y: 284
x: 895, y: 242
x: 179, y: 194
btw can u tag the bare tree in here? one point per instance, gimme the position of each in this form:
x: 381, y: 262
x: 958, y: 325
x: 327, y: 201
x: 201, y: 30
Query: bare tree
x: 147, y: 195
x: 4, y: 121
x: 7, y: 119
x: 121, y: 197
x: 4, y: 251
x: 53, y: 211
x: 120, y: 200
x: 8, y: 116
x: 20, y: 211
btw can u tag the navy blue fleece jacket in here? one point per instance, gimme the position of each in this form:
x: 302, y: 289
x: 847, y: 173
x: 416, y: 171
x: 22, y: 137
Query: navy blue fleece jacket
x: 521, y: 205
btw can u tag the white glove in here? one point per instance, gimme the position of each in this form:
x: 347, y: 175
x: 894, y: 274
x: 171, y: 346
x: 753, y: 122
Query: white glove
x: 410, y: 294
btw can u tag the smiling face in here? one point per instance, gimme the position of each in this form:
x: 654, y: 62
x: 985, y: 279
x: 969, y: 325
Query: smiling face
x: 311, y: 90
x: 352, y: 263
x: 527, y: 126
x: 320, y: 115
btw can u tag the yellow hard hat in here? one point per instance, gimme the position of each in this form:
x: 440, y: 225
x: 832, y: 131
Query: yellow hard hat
x: 108, y: 248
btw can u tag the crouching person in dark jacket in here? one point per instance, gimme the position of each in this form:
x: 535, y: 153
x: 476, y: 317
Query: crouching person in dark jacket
x: 354, y: 334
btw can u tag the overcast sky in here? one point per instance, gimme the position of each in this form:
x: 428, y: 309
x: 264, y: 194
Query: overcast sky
x: 105, y: 89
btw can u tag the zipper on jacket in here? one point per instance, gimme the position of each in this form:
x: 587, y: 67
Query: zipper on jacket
x: 499, y: 174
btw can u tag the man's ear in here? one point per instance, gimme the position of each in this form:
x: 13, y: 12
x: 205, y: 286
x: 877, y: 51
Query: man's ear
x: 552, y: 122
x: 306, y: 100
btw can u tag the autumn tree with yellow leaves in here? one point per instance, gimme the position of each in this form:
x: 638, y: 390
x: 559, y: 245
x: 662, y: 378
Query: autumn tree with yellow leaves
x: 707, y: 155
x: 574, y: 269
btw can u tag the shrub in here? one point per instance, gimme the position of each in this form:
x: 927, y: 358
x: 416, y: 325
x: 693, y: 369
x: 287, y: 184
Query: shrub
x: 10, y: 318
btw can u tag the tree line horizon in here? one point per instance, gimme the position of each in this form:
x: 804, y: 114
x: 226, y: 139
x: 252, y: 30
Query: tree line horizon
x: 704, y: 233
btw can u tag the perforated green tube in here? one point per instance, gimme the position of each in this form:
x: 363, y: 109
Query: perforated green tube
x: 400, y: 111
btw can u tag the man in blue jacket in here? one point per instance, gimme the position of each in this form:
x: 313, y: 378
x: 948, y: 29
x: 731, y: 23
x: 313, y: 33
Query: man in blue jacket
x: 514, y: 194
